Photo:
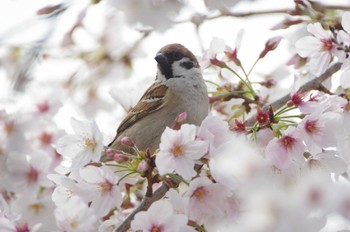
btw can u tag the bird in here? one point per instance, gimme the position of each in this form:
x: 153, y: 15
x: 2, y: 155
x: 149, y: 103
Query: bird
x: 179, y: 87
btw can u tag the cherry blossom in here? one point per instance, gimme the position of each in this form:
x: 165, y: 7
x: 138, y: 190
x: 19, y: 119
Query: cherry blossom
x: 318, y: 48
x: 66, y: 188
x: 82, y: 147
x: 179, y: 150
x: 202, y: 196
x: 99, y: 187
x: 328, y: 161
x: 289, y: 148
x: 154, y: 13
x: 317, y: 130
x: 36, y: 209
x: 213, y: 130
x: 27, y: 173
x: 243, y: 168
x: 161, y: 217
x: 74, y: 215
x: 217, y: 45
x: 343, y: 38
x: 7, y: 218
x: 231, y: 168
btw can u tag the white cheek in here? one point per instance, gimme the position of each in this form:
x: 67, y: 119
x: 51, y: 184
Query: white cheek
x: 160, y: 76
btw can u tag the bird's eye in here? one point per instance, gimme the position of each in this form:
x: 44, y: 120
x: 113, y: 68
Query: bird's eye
x: 177, y: 56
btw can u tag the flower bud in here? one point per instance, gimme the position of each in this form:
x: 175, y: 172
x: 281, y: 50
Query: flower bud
x: 180, y: 119
x: 142, y: 166
x: 119, y: 158
x: 216, y: 62
x: 232, y: 55
x: 270, y: 45
x: 127, y: 141
x: 109, y: 152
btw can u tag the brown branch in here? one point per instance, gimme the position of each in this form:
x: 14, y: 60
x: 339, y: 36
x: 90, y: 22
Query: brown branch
x: 315, y: 5
x: 248, y: 14
x: 144, y: 205
x: 231, y: 95
x: 315, y: 83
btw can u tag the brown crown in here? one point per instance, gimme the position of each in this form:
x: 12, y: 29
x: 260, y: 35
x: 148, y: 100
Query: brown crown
x: 170, y: 48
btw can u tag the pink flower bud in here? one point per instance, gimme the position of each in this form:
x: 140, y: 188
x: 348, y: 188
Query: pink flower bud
x: 109, y: 152
x: 127, y: 141
x: 180, y: 119
x: 118, y: 157
x: 286, y: 23
x: 142, y: 167
x: 43, y: 107
x: 49, y: 9
x: 216, y: 62
x: 270, y: 45
x: 232, y: 55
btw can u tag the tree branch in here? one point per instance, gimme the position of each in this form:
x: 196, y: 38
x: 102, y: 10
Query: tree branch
x: 144, y: 205
x: 315, y: 83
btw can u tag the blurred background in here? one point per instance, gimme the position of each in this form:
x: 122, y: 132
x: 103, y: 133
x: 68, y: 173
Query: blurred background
x: 93, y: 59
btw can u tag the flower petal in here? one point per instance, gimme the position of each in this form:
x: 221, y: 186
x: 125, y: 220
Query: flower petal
x: 70, y: 145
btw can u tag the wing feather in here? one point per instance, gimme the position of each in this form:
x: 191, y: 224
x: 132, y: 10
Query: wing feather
x: 151, y: 101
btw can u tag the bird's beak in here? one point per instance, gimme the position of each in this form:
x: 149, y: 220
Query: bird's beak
x: 162, y: 60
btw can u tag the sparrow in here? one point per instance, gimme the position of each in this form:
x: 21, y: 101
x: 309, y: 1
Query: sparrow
x: 179, y: 87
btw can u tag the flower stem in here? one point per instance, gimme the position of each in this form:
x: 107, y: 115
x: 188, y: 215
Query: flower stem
x: 247, y: 84
x: 251, y: 69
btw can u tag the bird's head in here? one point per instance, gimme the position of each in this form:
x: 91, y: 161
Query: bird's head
x: 176, y: 61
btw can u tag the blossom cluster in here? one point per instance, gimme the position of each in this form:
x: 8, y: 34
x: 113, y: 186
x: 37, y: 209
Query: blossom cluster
x: 253, y: 164
x: 323, y: 46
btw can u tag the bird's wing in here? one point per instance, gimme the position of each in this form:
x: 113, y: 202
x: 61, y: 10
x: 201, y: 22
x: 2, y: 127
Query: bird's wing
x: 151, y: 101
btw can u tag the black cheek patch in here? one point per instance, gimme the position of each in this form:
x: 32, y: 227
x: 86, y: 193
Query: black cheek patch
x: 187, y: 65
x: 166, y: 71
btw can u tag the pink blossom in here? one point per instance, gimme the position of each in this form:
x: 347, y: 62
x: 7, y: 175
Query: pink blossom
x: 318, y: 48
x: 327, y: 161
x: 232, y: 54
x: 179, y: 150
x: 217, y: 45
x: 100, y: 187
x: 289, y: 148
x: 75, y: 215
x: 27, y: 172
x: 234, y: 168
x: 149, y: 13
x: 36, y: 209
x: 342, y: 52
x: 317, y: 130
x: 214, y: 131
x: 203, y: 204
x: 306, y: 104
x: 160, y: 217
